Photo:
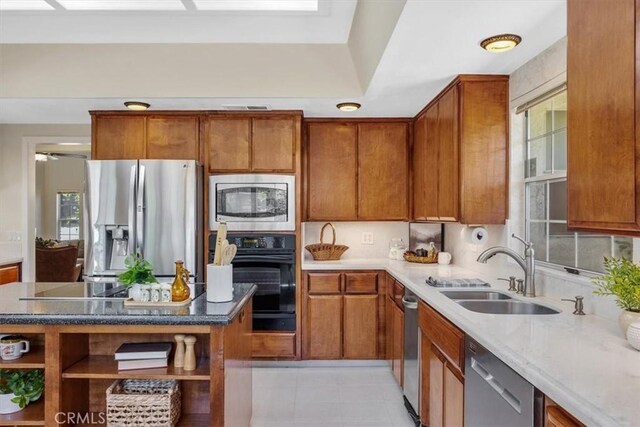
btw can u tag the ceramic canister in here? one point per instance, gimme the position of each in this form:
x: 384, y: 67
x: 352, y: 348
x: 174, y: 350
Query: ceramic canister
x: 633, y: 335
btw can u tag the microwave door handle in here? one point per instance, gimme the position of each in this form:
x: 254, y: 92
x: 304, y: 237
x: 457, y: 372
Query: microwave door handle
x: 131, y: 243
x: 140, y: 213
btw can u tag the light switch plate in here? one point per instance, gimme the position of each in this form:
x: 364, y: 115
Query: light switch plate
x: 367, y: 238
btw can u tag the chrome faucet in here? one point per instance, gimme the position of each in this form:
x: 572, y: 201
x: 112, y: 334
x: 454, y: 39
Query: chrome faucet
x: 528, y: 262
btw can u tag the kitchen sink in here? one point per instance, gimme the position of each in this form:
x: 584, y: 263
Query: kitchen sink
x: 475, y: 295
x: 506, y: 307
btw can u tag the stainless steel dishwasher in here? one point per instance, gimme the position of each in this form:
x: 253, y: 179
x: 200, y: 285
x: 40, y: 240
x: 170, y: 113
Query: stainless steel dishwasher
x: 495, y: 395
x: 411, y: 376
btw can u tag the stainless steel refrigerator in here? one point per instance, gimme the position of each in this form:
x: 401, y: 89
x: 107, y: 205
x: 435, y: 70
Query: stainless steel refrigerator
x: 150, y: 207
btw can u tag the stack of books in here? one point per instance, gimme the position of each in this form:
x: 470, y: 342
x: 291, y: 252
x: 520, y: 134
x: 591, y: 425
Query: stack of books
x: 143, y: 355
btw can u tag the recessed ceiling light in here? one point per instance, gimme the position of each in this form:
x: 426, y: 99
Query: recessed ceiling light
x: 25, y: 5
x: 258, y: 5
x: 136, y: 105
x: 501, y: 42
x: 122, y: 4
x: 348, y: 106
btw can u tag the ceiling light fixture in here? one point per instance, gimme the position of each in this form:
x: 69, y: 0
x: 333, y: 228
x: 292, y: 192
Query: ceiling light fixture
x: 41, y: 157
x: 136, y: 105
x: 348, y: 106
x: 501, y: 42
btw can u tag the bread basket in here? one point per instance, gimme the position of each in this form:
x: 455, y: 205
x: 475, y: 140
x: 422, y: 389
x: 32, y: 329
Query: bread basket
x: 326, y: 251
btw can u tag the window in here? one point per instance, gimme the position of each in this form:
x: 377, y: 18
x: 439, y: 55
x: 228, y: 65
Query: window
x: 68, y: 214
x: 546, y: 194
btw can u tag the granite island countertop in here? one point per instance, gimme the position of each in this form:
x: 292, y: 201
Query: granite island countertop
x: 581, y: 362
x: 106, y: 311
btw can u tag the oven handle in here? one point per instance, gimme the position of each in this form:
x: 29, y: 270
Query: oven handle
x: 283, y: 259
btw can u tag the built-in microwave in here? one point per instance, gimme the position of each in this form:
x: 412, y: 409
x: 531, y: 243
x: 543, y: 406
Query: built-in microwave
x: 251, y: 202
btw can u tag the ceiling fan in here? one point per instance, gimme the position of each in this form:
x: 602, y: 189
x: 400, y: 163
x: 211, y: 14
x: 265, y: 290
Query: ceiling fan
x: 46, y: 156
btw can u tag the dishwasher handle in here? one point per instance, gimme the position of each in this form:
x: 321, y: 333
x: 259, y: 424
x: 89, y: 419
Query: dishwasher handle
x: 513, y: 401
x: 410, y: 304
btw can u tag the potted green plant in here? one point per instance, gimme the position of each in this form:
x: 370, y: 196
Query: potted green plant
x: 19, y: 388
x: 622, y: 279
x: 139, y: 271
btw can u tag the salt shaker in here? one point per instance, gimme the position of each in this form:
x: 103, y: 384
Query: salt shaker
x: 190, y: 353
x: 178, y: 359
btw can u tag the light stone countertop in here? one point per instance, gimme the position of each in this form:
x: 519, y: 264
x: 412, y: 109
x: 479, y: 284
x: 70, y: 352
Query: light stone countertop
x: 581, y: 362
x: 10, y: 260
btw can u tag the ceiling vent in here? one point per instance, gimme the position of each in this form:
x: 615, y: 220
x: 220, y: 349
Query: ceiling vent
x: 246, y: 107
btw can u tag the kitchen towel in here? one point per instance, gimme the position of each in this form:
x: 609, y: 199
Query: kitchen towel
x: 219, y: 283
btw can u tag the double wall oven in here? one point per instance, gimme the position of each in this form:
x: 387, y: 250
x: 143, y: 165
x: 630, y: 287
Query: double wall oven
x: 269, y: 261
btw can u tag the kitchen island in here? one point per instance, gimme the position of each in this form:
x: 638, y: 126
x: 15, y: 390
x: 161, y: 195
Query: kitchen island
x: 74, y: 341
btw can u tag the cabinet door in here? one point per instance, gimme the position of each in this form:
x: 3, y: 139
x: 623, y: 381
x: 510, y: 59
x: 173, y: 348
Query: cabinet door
x: 360, y: 327
x: 228, y: 144
x: 383, y: 180
x: 603, y: 148
x: 453, y: 397
x: 398, y: 343
x: 437, y: 366
x: 323, y: 334
x: 118, y: 137
x: 273, y: 144
x: 331, y: 171
x: 448, y: 184
x: 172, y: 137
x: 419, y: 173
x: 431, y: 164
x: 556, y: 417
x: 388, y: 313
x: 425, y: 360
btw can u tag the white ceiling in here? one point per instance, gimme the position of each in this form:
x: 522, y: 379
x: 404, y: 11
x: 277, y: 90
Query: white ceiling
x: 434, y: 40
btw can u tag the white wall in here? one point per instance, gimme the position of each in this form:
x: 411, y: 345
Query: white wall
x: 541, y: 74
x: 14, y: 191
x: 53, y: 176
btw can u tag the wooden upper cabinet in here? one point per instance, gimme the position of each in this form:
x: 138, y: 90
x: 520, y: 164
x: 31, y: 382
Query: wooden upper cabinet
x: 603, y: 151
x: 465, y: 153
x: 229, y: 141
x: 274, y: 145
x: 383, y: 181
x: 448, y: 184
x: 115, y: 137
x: 173, y: 137
x: 331, y: 171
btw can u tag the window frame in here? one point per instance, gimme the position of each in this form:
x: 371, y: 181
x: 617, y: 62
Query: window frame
x: 59, y: 219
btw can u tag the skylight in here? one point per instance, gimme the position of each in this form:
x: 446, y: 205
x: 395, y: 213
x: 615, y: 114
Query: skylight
x: 258, y: 5
x: 121, y: 4
x: 25, y: 5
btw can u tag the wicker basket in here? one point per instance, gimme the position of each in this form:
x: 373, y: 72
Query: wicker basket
x: 325, y: 251
x: 410, y: 256
x: 143, y: 403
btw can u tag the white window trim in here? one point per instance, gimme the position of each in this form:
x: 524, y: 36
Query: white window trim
x: 58, y: 192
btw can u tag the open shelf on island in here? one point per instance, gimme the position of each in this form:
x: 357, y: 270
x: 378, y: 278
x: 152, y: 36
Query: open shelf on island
x: 31, y: 360
x: 186, y: 420
x: 105, y: 367
x: 32, y: 415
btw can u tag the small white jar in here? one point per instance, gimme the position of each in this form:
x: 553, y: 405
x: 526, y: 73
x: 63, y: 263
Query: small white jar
x: 165, y: 292
x: 156, y: 293
x: 633, y: 335
x: 145, y: 293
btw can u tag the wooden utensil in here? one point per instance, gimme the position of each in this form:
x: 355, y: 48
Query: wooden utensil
x: 228, y: 254
x: 220, y: 238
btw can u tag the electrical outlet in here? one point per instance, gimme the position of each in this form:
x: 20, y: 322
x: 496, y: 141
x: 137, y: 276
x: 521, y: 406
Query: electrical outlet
x: 367, y: 238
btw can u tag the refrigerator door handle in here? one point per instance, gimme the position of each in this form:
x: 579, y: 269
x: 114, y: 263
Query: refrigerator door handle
x: 132, y: 210
x: 140, y: 212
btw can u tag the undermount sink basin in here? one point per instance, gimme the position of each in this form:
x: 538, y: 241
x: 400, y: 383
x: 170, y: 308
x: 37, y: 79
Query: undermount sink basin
x: 475, y: 295
x: 506, y: 307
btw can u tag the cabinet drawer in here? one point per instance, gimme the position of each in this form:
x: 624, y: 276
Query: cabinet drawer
x: 9, y: 274
x: 361, y: 283
x: 324, y: 283
x: 274, y: 345
x: 448, y: 338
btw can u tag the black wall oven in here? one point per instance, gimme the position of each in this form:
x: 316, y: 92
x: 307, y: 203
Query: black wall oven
x: 269, y: 261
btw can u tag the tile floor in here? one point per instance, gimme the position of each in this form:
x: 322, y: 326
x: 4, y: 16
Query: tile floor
x: 327, y: 397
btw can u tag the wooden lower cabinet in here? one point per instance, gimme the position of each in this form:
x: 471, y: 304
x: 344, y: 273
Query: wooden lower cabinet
x: 343, y: 321
x: 273, y: 345
x: 10, y: 273
x: 360, y: 329
x: 397, y: 334
x: 555, y: 416
x: 441, y: 367
x: 324, y: 327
